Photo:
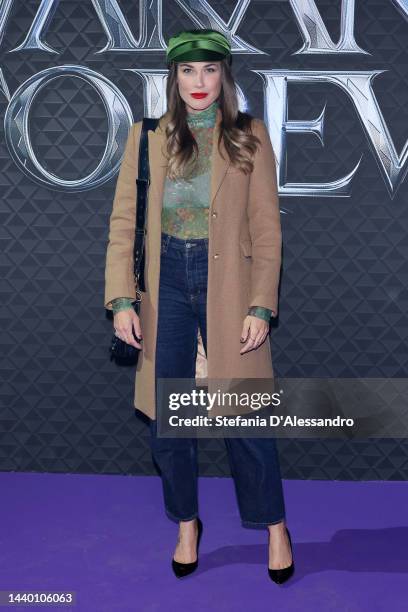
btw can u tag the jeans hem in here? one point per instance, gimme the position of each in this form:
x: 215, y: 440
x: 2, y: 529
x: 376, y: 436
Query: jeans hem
x: 254, y: 525
x: 178, y: 519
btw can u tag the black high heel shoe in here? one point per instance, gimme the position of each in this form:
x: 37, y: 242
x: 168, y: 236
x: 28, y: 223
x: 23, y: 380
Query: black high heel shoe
x: 281, y: 575
x: 184, y: 569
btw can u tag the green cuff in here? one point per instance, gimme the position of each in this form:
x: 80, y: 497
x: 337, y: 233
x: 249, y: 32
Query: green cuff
x: 122, y: 303
x: 261, y: 312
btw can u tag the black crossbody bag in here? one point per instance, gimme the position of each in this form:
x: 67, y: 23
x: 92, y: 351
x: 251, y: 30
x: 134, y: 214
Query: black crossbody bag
x: 119, y: 349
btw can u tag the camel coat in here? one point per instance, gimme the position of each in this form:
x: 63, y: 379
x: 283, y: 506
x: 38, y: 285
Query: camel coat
x: 244, y: 257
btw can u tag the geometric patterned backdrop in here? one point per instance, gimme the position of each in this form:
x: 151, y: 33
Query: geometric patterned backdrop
x: 344, y: 289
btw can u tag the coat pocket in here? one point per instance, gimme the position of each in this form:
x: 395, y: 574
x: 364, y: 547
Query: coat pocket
x: 246, y: 247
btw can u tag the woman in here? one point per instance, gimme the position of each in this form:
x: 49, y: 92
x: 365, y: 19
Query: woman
x: 212, y: 265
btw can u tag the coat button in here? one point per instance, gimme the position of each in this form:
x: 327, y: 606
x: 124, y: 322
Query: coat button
x: 214, y: 215
x: 216, y: 256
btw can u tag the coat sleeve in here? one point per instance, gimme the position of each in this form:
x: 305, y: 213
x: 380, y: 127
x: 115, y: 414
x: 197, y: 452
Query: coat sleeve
x: 119, y: 279
x: 264, y: 224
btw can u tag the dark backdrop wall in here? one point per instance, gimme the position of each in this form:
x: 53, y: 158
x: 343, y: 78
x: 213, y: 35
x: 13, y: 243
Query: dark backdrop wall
x: 85, y: 72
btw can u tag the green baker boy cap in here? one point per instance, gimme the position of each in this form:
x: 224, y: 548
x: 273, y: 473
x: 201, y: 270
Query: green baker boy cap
x: 198, y: 45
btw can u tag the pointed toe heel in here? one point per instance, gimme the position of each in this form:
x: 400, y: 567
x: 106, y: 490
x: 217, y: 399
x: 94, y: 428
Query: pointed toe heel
x: 184, y: 569
x: 279, y: 576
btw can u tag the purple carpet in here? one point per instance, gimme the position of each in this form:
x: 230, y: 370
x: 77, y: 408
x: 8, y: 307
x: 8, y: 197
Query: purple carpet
x: 107, y: 538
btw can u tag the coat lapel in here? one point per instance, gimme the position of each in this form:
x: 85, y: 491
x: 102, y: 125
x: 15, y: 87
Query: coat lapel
x: 158, y: 162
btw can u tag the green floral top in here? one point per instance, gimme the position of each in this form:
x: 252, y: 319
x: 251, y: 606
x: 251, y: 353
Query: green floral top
x: 186, y: 200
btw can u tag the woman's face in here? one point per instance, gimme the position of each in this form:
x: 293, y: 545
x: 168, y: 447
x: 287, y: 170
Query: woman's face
x: 199, y: 78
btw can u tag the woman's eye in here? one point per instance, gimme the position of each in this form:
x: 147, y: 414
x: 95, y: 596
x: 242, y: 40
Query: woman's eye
x: 189, y: 70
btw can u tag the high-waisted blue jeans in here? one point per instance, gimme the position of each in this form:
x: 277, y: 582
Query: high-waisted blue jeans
x: 254, y: 462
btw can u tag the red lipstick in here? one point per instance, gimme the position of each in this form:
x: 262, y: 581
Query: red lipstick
x: 199, y: 95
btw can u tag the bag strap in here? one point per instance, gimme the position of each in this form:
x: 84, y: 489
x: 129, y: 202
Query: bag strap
x: 142, y: 185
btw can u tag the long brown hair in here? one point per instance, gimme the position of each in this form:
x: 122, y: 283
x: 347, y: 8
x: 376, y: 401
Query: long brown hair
x: 235, y: 127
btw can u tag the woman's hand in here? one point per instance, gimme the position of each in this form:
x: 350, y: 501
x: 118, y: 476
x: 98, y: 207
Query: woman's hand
x: 124, y: 322
x: 254, y: 331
